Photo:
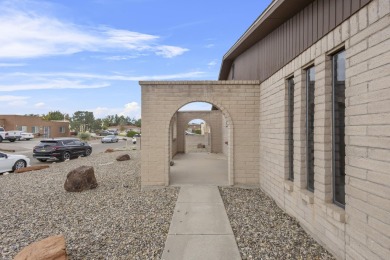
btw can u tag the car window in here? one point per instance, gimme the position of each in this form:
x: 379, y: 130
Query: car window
x: 68, y: 142
x: 47, y: 143
x: 77, y: 143
x: 2, y: 155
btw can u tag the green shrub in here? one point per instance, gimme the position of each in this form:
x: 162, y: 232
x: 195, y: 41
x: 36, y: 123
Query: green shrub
x: 198, y: 132
x: 84, y: 136
x: 131, y: 133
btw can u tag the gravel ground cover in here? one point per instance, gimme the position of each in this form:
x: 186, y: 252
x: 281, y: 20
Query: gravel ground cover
x: 264, y: 231
x: 114, y: 221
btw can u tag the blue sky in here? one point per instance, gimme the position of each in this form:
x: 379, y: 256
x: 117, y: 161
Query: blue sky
x: 71, y: 55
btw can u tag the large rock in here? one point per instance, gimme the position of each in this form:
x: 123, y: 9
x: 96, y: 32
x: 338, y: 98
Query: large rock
x: 81, y: 178
x: 109, y: 150
x: 32, y: 168
x: 51, y: 248
x: 123, y: 157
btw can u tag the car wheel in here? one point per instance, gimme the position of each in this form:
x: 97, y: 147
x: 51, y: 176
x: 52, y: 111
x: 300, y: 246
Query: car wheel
x: 12, y: 140
x: 117, y: 140
x: 19, y: 164
x: 1, y: 139
x: 42, y: 160
x: 65, y: 156
x: 88, y: 152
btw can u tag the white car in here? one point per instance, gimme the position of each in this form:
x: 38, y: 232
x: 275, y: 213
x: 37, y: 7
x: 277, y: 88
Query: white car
x: 110, y: 139
x: 26, y: 136
x: 12, y: 162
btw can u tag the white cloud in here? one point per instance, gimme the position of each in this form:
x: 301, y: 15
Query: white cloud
x: 12, y: 64
x: 9, y: 98
x: 39, y: 105
x: 208, y: 46
x: 170, y: 51
x: 52, y: 84
x: 29, y: 35
x: 132, y: 109
x: 13, y: 101
x: 212, y: 63
x: 69, y: 80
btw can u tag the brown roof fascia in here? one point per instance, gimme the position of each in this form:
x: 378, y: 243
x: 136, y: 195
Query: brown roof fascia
x: 276, y: 14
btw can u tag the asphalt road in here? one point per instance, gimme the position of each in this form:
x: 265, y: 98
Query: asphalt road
x: 26, y: 148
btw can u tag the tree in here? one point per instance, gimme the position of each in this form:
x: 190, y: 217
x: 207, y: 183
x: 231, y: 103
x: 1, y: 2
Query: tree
x: 54, y: 115
x: 82, y: 121
x: 138, y: 122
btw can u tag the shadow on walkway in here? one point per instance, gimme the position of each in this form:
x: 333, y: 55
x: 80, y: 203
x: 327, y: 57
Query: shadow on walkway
x: 199, y: 169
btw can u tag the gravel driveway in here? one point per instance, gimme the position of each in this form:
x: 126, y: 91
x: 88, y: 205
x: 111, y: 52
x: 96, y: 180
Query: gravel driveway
x: 114, y: 221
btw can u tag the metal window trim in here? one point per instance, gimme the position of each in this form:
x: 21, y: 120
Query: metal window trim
x: 307, y: 127
x: 334, y: 80
x: 290, y: 120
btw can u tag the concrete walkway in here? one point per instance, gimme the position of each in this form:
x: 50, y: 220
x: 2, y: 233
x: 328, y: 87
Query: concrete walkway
x: 199, y: 169
x: 200, y: 228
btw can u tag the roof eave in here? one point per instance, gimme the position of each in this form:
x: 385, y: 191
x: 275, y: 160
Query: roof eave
x: 276, y: 14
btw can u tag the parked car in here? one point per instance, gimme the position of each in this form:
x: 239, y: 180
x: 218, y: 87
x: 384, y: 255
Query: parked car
x: 105, y: 133
x: 26, y: 136
x: 15, y: 133
x: 4, y: 135
x: 12, y: 162
x: 61, y: 149
x: 113, y: 132
x: 110, y: 139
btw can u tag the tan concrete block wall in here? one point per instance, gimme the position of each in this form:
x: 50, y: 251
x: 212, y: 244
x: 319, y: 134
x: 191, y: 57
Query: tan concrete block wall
x: 225, y: 137
x: 362, y: 230
x: 213, y: 118
x: 239, y: 103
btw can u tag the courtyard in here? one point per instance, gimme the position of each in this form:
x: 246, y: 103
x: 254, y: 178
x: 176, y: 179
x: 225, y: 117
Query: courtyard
x: 118, y: 220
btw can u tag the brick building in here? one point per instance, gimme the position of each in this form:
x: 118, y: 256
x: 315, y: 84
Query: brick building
x: 35, y: 125
x: 306, y: 97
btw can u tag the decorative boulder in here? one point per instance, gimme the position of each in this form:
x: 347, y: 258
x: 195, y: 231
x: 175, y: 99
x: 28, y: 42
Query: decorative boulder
x: 81, y: 178
x: 171, y: 163
x: 31, y: 168
x: 201, y: 145
x: 109, y: 150
x: 51, y: 248
x: 123, y: 157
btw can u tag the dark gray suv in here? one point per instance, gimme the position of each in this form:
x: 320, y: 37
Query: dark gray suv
x: 61, y: 149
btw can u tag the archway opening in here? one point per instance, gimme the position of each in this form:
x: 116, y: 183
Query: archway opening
x: 199, y: 145
x: 197, y: 137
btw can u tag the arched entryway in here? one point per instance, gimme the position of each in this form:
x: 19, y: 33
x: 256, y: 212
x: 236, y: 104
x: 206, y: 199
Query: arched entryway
x: 199, y: 158
x: 238, y: 102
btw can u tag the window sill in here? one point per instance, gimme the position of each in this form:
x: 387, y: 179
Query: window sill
x: 289, y: 186
x: 307, y: 196
x: 335, y: 212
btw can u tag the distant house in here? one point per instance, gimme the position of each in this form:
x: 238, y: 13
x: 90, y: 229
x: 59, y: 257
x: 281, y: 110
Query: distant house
x: 35, y: 125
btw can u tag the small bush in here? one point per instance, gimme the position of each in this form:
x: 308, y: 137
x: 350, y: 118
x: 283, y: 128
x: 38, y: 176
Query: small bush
x: 198, y: 132
x: 131, y: 133
x: 84, y: 136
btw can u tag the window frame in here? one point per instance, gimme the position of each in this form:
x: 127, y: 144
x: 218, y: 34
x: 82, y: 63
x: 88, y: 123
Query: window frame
x: 334, y: 84
x: 308, y: 85
x: 290, y: 127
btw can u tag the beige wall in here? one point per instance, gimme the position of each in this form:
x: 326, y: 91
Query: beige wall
x: 238, y: 101
x: 225, y: 137
x: 362, y: 230
x: 213, y: 119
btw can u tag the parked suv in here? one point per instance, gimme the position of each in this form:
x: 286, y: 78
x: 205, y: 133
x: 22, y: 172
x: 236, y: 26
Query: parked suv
x: 61, y: 149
